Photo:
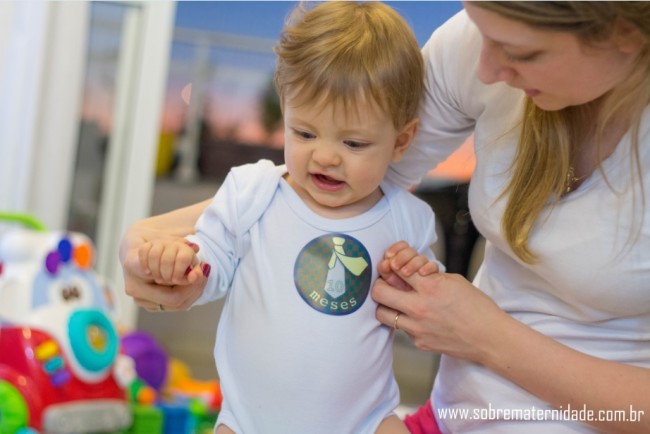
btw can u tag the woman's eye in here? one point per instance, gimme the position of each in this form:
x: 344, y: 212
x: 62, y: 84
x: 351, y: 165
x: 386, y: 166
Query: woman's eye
x: 521, y: 57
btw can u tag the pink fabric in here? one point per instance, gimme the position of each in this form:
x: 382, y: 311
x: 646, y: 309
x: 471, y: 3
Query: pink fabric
x: 422, y: 421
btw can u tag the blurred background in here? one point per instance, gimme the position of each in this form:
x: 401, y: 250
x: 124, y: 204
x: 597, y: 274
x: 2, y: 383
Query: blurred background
x: 119, y: 110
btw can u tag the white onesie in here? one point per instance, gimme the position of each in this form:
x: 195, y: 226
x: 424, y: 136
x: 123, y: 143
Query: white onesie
x: 298, y: 347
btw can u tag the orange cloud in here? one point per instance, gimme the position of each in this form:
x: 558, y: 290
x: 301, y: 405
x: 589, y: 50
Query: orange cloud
x: 459, y: 166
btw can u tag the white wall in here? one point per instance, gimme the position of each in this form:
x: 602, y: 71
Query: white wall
x: 42, y: 52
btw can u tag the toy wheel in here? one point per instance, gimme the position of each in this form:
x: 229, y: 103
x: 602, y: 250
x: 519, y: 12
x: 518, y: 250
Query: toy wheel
x: 93, y: 339
x: 13, y: 409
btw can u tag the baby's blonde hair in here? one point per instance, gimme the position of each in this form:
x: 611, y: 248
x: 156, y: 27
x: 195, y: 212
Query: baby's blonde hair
x: 341, y: 52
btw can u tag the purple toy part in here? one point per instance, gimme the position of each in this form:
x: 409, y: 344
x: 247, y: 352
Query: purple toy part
x: 52, y: 262
x: 61, y: 255
x: 150, y: 358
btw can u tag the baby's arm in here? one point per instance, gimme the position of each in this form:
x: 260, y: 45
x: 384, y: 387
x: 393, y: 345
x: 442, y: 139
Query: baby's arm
x: 170, y: 261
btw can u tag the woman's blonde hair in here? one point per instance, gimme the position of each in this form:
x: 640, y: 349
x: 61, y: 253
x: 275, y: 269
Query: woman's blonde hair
x: 339, y: 51
x: 549, y: 139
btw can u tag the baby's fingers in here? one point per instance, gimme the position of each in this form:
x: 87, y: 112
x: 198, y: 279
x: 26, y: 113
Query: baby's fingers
x: 178, y: 262
x: 406, y: 258
x: 391, y: 278
x: 412, y: 266
x: 395, y: 249
x: 143, y: 258
x: 153, y: 259
x: 429, y: 268
x: 169, y: 263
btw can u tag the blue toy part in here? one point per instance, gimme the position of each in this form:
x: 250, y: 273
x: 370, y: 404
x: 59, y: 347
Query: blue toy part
x: 65, y: 249
x: 66, y: 253
x: 93, y: 339
x: 69, y: 285
x: 177, y: 418
x: 27, y: 430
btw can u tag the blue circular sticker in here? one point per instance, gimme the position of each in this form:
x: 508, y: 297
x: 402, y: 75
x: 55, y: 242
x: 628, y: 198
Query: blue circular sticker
x: 333, y: 273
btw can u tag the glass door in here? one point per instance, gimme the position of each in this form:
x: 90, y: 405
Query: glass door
x: 107, y: 25
x: 128, y: 57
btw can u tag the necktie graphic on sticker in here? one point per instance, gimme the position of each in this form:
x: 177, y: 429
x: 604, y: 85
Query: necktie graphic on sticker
x: 332, y: 274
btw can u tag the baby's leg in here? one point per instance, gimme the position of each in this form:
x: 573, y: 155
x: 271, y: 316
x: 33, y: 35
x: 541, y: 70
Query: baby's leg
x: 223, y: 429
x: 392, y: 425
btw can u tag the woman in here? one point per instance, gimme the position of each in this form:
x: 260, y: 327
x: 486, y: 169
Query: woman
x: 562, y: 318
x: 556, y: 94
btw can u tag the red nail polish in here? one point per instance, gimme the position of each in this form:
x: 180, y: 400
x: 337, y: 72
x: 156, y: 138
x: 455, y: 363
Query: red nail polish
x: 205, y: 268
x: 192, y: 245
x: 188, y: 271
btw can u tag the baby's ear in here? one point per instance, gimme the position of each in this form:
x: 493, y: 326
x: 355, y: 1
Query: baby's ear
x: 405, y: 138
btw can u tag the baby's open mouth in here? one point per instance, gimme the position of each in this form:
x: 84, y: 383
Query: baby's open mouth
x: 327, y: 183
x: 326, y: 179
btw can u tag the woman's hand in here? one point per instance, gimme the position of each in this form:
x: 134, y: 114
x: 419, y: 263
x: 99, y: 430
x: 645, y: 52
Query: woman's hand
x: 445, y: 313
x: 140, y: 283
x: 441, y: 312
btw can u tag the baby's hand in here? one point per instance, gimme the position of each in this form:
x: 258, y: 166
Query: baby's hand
x: 170, y: 262
x: 402, y: 256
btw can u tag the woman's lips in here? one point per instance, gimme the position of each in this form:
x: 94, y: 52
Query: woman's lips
x: 531, y: 92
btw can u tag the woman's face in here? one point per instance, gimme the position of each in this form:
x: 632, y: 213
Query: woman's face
x: 553, y: 68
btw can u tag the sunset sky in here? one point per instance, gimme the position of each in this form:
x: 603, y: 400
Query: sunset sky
x: 237, y: 79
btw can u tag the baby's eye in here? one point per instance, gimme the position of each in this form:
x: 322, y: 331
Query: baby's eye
x: 305, y: 135
x: 355, y: 145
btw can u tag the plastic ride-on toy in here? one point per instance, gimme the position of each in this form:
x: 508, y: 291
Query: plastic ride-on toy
x: 58, y: 345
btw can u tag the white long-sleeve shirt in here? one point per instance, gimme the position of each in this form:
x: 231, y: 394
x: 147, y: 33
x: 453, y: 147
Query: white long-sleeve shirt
x: 590, y: 289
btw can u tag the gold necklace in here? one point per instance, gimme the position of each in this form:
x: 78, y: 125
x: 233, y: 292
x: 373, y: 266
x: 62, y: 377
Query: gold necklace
x: 571, y: 179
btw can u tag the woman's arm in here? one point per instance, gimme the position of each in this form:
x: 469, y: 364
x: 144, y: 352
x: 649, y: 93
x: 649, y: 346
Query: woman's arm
x: 138, y: 282
x: 561, y: 376
x: 445, y: 313
x: 177, y: 223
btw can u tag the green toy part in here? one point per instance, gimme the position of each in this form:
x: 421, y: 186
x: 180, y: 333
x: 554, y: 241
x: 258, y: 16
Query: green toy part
x: 14, y: 414
x: 26, y: 220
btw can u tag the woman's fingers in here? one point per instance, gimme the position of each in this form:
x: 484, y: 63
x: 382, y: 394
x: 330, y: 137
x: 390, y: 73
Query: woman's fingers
x: 394, y: 298
x: 172, y: 298
x: 399, y: 289
x: 393, y: 319
x: 404, y: 294
x: 391, y: 278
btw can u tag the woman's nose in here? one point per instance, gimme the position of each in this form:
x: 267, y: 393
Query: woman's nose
x: 492, y: 68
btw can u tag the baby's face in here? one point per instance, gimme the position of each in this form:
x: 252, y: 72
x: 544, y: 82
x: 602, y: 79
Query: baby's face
x: 337, y: 158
